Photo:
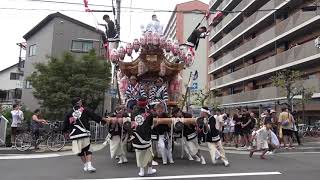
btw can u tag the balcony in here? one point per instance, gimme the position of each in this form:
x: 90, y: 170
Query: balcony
x: 297, y: 55
x: 213, y: 4
x: 261, y: 95
x: 248, y: 24
x: 289, y: 26
x: 231, y: 17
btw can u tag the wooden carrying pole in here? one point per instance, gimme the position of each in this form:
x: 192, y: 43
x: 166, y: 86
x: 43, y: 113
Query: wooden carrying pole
x: 157, y: 121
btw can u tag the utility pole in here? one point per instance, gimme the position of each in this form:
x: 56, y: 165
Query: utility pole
x: 118, y: 4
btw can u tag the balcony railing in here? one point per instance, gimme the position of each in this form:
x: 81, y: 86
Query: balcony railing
x: 213, y: 4
x: 294, y: 56
x: 264, y: 94
x: 227, y: 20
x: 295, y: 22
x: 247, y: 24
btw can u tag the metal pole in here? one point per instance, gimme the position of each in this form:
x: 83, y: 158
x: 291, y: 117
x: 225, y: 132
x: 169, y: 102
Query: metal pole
x: 303, y: 105
x: 186, y: 94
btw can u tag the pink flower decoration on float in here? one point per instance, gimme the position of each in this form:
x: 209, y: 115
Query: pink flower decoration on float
x: 149, y: 38
x: 168, y: 46
x: 129, y: 49
x: 136, y: 45
x: 114, y: 56
x: 143, y: 41
x: 122, y: 53
x: 156, y: 39
x: 175, y: 49
x: 162, y: 42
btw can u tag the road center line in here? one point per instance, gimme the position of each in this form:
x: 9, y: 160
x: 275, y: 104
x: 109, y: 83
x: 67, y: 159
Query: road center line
x: 193, y: 176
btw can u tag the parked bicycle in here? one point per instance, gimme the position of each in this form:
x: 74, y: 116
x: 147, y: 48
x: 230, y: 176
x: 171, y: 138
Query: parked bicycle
x: 50, y: 134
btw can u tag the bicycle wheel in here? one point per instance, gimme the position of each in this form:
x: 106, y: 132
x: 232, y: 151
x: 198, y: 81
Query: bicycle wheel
x: 56, y: 142
x: 23, y: 141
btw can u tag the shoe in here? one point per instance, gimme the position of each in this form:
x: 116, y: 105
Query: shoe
x: 226, y: 163
x: 154, y: 163
x: 197, y: 159
x: 141, y: 173
x: 251, y: 154
x: 203, y: 161
x: 85, y: 167
x: 249, y: 148
x: 120, y: 160
x: 190, y: 157
x: 124, y: 159
x: 171, y: 161
x: 164, y: 162
x: 214, y: 162
x: 91, y: 169
x: 270, y: 152
x: 151, y: 171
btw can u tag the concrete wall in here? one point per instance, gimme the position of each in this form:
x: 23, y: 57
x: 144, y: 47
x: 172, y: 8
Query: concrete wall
x: 66, y: 31
x: 43, y: 40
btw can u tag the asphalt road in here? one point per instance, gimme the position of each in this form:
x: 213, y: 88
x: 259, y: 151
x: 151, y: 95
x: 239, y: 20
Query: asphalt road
x: 293, y: 166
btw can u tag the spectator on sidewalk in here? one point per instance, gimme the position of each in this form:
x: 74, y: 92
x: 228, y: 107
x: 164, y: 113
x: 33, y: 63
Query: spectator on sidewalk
x: 36, y: 124
x: 237, y: 127
x: 286, y: 127
x: 17, y: 118
x: 295, y: 129
x: 245, y: 128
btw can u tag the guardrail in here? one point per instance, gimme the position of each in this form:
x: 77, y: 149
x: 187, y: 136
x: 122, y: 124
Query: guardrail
x: 3, y: 129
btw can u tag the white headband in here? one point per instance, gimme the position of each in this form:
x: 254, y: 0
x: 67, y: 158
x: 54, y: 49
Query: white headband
x: 204, y: 110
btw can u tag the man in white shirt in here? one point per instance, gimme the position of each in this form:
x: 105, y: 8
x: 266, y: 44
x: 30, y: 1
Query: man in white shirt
x: 17, y: 117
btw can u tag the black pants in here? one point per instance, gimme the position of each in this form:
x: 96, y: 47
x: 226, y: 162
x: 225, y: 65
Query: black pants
x: 85, y: 151
x: 296, y: 133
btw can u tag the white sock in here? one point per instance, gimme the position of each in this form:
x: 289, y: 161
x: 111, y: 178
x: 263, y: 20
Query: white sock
x: 89, y: 163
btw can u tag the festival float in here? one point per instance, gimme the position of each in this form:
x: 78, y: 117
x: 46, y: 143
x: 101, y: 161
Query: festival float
x: 155, y: 57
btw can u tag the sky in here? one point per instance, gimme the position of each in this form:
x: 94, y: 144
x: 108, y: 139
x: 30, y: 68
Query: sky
x: 15, y: 23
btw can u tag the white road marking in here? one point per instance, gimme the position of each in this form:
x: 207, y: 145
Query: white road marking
x: 193, y: 176
x: 31, y: 156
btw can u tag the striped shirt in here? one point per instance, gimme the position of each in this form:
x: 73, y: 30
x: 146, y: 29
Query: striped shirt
x: 134, y: 92
x: 159, y: 93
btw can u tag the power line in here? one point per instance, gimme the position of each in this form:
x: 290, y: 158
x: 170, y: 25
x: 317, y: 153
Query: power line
x: 147, y: 9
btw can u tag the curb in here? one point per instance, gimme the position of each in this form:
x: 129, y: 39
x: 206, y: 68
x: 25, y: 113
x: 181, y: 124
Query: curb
x: 10, y: 151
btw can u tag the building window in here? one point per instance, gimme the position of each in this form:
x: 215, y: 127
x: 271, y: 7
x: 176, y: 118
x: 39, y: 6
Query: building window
x: 32, y: 50
x: 81, y: 46
x: 15, y: 76
x: 28, y: 85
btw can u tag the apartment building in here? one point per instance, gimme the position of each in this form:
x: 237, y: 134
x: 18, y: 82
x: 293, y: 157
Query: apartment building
x: 179, y: 28
x: 253, y: 40
x: 54, y: 35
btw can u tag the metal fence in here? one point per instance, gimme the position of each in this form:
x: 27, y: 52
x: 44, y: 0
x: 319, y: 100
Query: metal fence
x: 3, y: 129
x: 98, y: 131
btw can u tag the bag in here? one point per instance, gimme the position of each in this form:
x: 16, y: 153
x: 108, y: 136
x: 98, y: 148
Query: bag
x: 285, y: 123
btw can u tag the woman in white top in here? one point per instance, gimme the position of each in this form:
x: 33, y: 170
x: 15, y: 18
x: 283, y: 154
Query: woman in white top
x: 17, y: 117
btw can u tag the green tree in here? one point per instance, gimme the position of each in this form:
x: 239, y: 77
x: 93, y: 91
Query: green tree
x: 203, y: 97
x: 291, y: 84
x: 61, y: 79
